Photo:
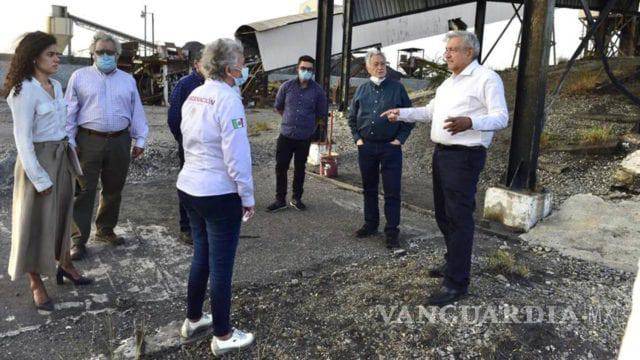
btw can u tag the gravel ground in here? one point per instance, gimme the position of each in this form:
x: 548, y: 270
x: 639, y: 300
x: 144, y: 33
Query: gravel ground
x: 337, y: 308
x: 371, y: 309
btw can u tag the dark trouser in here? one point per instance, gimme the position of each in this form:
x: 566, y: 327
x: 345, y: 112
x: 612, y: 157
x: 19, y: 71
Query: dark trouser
x: 184, y: 217
x: 455, y: 177
x: 386, y: 159
x: 287, y: 148
x: 215, y: 229
x: 107, y: 160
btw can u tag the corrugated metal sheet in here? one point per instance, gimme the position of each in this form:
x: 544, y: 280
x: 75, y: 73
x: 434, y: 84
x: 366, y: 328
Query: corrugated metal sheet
x: 366, y: 11
x: 287, y: 20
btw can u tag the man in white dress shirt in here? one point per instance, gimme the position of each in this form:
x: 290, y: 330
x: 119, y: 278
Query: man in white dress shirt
x: 468, y: 107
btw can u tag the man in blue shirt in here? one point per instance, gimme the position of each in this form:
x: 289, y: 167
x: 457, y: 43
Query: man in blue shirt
x: 300, y: 101
x: 183, y: 88
x: 379, y: 145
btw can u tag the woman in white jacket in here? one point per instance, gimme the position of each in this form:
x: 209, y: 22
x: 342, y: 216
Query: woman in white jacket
x: 216, y: 186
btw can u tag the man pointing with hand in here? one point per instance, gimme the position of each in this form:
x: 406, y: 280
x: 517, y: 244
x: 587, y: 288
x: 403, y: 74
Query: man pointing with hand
x: 468, y: 107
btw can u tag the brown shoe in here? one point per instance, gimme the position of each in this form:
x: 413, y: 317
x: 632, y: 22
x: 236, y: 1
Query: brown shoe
x: 78, y: 252
x: 111, y: 239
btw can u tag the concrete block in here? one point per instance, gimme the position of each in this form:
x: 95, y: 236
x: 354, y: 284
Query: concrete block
x: 627, y: 176
x: 516, y: 209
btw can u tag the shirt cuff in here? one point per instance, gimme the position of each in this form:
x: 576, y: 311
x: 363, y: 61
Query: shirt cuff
x: 140, y: 143
x: 475, y: 120
x: 248, y: 201
x: 402, y: 114
x: 43, y: 184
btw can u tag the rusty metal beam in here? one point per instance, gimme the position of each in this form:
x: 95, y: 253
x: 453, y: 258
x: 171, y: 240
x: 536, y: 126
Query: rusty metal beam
x: 529, y: 113
x: 345, y: 75
x: 481, y: 10
x: 323, y: 54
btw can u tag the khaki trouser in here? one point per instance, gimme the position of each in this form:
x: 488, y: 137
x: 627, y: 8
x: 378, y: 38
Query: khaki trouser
x: 106, y: 159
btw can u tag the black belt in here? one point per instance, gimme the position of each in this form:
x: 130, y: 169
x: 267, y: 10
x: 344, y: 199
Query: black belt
x: 460, y: 147
x: 110, y: 134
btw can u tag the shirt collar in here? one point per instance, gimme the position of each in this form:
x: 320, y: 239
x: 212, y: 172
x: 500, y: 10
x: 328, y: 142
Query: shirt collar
x: 195, y: 73
x: 223, y: 86
x: 103, y: 74
x: 469, y: 69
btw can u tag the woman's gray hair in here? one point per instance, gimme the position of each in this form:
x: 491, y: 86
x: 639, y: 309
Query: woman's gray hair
x: 371, y: 53
x: 469, y: 39
x: 219, y: 54
x: 103, y: 36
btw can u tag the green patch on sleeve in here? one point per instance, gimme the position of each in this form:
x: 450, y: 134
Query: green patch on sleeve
x: 238, y: 123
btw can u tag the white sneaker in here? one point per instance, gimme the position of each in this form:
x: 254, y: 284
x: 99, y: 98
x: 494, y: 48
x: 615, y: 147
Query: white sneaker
x: 202, y: 327
x: 238, y: 340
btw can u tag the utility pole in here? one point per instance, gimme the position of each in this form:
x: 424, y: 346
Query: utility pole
x: 144, y: 16
x: 153, y: 34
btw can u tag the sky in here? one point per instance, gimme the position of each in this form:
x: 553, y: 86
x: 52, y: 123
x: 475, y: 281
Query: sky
x: 205, y: 21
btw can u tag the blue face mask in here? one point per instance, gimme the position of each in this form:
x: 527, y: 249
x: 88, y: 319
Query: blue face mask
x: 305, y: 75
x: 243, y: 77
x: 106, y: 63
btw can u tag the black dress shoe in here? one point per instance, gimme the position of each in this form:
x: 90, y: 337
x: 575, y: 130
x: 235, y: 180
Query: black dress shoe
x: 78, y: 252
x: 439, y: 271
x: 445, y: 296
x: 298, y: 204
x: 45, y: 306
x: 277, y: 206
x: 61, y: 274
x: 366, y: 231
x: 392, y: 242
x: 185, y: 237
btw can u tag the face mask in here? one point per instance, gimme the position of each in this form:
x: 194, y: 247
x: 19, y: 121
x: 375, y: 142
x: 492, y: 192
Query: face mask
x: 305, y: 75
x: 106, y: 63
x: 376, y: 80
x: 243, y: 77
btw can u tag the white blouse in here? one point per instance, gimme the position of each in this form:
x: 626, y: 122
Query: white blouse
x: 37, y: 117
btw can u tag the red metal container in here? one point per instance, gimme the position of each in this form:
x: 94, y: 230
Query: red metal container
x: 328, y: 165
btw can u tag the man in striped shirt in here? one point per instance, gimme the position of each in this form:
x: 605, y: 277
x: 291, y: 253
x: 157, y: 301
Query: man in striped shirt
x: 104, y: 116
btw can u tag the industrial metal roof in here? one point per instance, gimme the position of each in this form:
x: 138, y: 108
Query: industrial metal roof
x: 287, y: 20
x: 366, y: 11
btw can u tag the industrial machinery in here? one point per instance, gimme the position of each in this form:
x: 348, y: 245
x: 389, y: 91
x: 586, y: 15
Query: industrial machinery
x: 156, y: 74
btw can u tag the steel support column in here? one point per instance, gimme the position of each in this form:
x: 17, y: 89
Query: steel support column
x: 529, y: 113
x: 481, y: 11
x: 345, y: 72
x: 323, y: 54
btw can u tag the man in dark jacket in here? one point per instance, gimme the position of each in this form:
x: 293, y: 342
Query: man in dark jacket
x: 379, y: 145
x: 183, y: 88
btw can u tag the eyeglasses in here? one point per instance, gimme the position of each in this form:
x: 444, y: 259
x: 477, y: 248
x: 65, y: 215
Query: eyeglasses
x: 105, y: 52
x: 380, y: 64
x: 454, y: 49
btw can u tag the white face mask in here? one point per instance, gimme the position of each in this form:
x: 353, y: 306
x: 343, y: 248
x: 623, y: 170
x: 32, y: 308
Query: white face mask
x: 376, y: 80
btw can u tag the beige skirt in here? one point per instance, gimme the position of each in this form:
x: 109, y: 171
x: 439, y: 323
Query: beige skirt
x: 41, y: 224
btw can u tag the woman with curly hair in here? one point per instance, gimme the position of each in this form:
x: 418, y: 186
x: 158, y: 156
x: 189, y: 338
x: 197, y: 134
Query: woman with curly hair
x: 44, y: 175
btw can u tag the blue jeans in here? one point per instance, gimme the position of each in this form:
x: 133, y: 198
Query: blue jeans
x: 384, y: 159
x: 184, y: 218
x: 215, y: 229
x: 455, y: 177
